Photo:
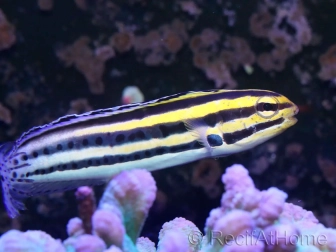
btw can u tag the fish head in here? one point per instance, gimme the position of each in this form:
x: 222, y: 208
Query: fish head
x: 260, y: 116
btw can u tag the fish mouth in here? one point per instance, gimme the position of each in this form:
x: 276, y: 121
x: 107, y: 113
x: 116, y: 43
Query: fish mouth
x: 292, y: 117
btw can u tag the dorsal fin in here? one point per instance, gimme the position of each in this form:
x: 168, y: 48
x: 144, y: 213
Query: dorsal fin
x: 74, y: 118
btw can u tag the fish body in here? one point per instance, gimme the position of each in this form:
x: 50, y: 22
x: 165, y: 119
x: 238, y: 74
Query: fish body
x: 90, y: 148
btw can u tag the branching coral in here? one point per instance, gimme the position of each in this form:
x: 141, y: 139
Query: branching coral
x: 247, y: 220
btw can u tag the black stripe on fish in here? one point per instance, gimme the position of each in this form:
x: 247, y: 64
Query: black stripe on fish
x: 231, y: 138
x: 140, y: 134
x: 117, y: 159
x: 154, y: 109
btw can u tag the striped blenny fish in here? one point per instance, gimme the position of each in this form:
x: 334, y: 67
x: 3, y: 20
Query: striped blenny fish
x: 90, y: 148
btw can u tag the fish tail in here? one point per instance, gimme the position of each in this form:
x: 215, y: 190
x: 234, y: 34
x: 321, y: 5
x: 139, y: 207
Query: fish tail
x: 12, y: 204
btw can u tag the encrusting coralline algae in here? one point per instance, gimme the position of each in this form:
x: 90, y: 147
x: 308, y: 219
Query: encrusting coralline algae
x: 247, y: 220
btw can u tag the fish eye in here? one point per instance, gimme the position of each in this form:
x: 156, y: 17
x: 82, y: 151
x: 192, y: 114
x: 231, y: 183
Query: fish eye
x: 267, y: 106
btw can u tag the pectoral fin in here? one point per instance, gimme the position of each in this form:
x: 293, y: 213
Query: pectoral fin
x: 198, y: 129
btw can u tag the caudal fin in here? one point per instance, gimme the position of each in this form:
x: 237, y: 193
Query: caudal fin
x: 12, y: 205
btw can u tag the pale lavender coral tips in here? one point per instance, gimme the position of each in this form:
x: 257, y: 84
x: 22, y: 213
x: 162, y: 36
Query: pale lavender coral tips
x: 75, y: 227
x: 215, y: 214
x: 85, y: 243
x: 113, y: 249
x: 16, y: 241
x: 174, y: 241
x: 234, y: 223
x: 236, y: 178
x: 130, y: 194
x: 83, y: 192
x: 281, y: 237
x: 245, y: 243
x: 185, y: 229
x: 144, y: 244
x: 136, y: 185
x: 109, y: 227
x: 295, y: 213
x: 271, y: 206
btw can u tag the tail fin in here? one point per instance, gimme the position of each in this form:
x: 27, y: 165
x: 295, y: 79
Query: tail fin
x: 12, y: 205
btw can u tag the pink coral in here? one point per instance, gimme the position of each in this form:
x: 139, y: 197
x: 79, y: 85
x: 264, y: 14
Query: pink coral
x: 271, y: 206
x: 236, y: 179
x: 85, y: 243
x: 282, y: 237
x: 75, y: 227
x: 143, y: 244
x: 109, y: 227
x: 234, y: 223
x: 173, y: 241
x: 297, y: 215
x: 113, y: 249
x: 16, y: 241
x: 245, y: 243
x: 175, y: 235
x: 126, y: 191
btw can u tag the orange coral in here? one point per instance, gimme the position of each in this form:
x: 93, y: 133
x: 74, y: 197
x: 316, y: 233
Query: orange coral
x: 45, y: 5
x: 328, y: 64
x: 276, y: 60
x: 172, y: 41
x: 81, y: 4
x: 79, y: 106
x: 83, y: 58
x: 5, y: 114
x: 7, y: 33
x: 220, y: 74
x: 260, y: 23
x: 238, y: 53
x: 160, y: 46
x: 200, y: 60
x: 206, y: 174
x: 122, y: 41
x: 285, y: 26
x: 104, y: 53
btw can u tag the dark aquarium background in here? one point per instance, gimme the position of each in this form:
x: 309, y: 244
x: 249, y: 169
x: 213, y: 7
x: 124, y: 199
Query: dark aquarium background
x: 63, y: 57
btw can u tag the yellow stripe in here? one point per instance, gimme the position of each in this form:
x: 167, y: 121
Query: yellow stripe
x: 240, y: 124
x: 93, y: 152
x: 197, y: 111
